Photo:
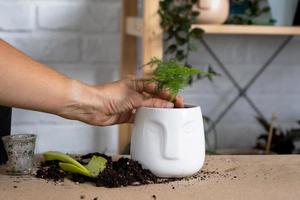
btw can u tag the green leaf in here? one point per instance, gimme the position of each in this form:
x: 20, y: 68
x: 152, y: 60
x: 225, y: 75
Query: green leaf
x: 195, y: 13
x: 180, y: 55
x: 96, y: 165
x: 56, y: 155
x: 169, y: 35
x: 171, y: 49
x: 67, y: 167
x: 196, y: 33
x: 180, y: 41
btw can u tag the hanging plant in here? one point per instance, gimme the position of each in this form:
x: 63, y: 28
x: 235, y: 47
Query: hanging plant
x: 177, y: 17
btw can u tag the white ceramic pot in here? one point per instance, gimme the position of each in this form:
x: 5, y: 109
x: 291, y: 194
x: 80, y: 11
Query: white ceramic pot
x: 212, y: 11
x: 169, y: 141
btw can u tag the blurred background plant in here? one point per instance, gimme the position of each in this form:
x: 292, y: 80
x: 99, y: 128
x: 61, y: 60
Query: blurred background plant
x: 250, y: 12
x: 283, y: 141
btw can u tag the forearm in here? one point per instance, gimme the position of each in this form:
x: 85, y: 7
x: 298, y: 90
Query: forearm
x: 25, y: 83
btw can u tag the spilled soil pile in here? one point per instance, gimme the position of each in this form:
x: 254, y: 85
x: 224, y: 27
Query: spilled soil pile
x: 120, y: 173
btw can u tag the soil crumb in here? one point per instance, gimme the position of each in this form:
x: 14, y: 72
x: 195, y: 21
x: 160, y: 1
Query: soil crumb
x: 120, y: 173
x: 50, y: 171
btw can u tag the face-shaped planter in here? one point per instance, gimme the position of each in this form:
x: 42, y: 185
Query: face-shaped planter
x: 169, y: 142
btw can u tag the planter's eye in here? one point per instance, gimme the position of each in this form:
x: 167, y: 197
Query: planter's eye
x: 154, y: 127
x: 190, y: 127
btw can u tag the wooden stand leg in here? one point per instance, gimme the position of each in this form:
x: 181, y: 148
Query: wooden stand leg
x: 152, y: 41
x: 128, y: 63
x: 152, y: 34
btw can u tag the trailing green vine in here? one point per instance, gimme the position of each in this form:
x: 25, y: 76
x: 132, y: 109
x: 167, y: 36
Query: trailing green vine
x: 177, y: 18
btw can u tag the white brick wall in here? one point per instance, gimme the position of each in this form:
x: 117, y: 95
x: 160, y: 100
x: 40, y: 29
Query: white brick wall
x: 80, y: 38
x: 98, y: 16
x: 58, y: 48
x: 16, y: 16
x: 93, y: 50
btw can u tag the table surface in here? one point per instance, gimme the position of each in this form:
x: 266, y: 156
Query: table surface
x: 240, y: 177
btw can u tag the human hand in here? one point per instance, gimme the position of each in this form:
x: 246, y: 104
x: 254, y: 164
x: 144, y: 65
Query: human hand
x: 115, y: 103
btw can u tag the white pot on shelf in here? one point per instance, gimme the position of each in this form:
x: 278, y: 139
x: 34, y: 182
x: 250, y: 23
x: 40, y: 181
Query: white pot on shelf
x: 169, y: 141
x: 283, y: 11
x: 212, y: 11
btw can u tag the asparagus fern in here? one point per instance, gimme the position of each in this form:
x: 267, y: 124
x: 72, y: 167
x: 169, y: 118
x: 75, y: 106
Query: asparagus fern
x: 172, y: 76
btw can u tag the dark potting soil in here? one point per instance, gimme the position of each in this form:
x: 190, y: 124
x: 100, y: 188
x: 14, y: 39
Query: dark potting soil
x: 120, y: 173
x: 50, y: 171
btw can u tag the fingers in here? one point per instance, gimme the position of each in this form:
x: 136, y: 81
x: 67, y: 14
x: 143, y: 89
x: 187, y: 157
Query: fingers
x: 179, y: 103
x: 145, y: 85
x: 149, y: 89
x: 157, y: 103
x: 141, y: 85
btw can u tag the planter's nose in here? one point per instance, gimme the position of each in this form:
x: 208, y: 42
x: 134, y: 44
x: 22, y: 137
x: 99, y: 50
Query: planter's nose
x: 171, y: 146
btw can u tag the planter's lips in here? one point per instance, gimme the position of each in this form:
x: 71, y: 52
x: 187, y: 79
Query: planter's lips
x: 186, y: 106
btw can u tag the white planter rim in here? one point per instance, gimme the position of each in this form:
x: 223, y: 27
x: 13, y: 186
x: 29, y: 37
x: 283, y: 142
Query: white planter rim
x: 186, y: 107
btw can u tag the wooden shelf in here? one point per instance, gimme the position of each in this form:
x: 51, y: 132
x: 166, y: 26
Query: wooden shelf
x: 249, y: 29
x: 134, y: 26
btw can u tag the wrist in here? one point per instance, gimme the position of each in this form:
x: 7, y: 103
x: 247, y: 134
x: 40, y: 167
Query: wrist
x: 77, y: 100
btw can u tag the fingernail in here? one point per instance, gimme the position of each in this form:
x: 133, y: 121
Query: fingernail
x: 170, y: 105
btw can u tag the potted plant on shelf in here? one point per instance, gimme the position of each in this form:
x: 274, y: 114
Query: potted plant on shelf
x: 212, y: 11
x: 250, y: 12
x: 170, y: 141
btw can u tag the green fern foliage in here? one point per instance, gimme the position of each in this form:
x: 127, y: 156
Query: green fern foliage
x: 172, y: 76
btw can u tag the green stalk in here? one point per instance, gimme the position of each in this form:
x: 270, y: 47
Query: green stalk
x: 56, y: 155
x: 96, y: 165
